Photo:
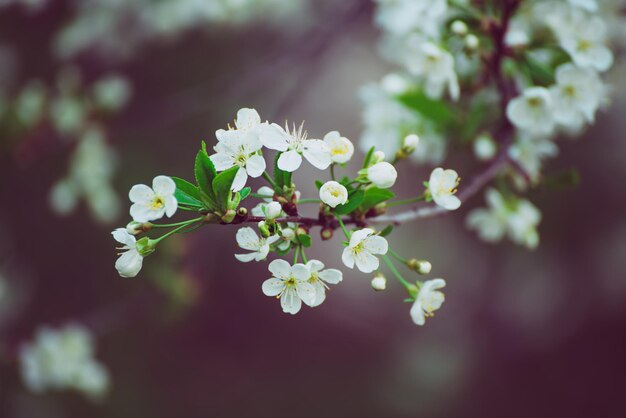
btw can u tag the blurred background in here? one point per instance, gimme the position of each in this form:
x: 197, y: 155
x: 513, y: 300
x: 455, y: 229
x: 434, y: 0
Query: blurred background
x: 539, y: 333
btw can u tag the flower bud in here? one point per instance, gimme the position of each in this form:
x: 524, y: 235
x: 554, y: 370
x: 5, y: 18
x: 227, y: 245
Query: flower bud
x: 288, y: 234
x: 377, y: 157
x: 485, y: 147
x: 145, y: 246
x: 459, y: 27
x: 472, y: 42
x: 394, y: 84
x: 419, y: 266
x: 273, y: 210
x: 242, y: 211
x: 136, y: 228
x: 333, y: 194
x: 326, y: 233
x: 382, y: 175
x: 264, y: 229
x: 379, y: 282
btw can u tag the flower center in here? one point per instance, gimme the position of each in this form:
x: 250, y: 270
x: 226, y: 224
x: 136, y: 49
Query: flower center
x: 534, y: 102
x: 584, y: 45
x: 157, y: 203
x: 569, y: 91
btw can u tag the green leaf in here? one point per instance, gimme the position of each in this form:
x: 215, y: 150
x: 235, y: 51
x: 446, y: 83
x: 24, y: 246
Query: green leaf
x: 245, y: 192
x: 305, y: 240
x: 368, y: 157
x: 354, y: 201
x: 319, y: 184
x: 539, y: 73
x: 374, y: 196
x: 187, y: 193
x: 435, y: 110
x: 205, y: 173
x: 279, y: 176
x: 388, y: 229
x: 222, y: 183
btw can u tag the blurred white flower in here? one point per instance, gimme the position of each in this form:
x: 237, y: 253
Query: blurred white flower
x: 530, y: 152
x: 130, y: 261
x: 382, y: 174
x: 150, y: 204
x: 532, y: 111
x: 485, y: 147
x: 63, y: 359
x: 294, y: 145
x: 333, y: 194
x: 362, y: 250
x: 442, y: 186
x: 577, y: 95
x: 589, y: 5
x: 320, y: 279
x: 341, y: 149
x: 427, y: 301
x: 290, y: 284
x: 402, y: 17
x: 434, y: 65
x: 259, y: 246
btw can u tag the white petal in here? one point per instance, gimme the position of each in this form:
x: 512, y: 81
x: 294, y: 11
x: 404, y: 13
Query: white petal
x: 247, y: 118
x: 255, y: 166
x: 315, y: 265
x: 289, y: 161
x: 171, y: 204
x: 317, y: 153
x: 163, y: 186
x: 448, y: 202
x: 290, y: 302
x: 240, y: 180
x: 121, y: 235
x: 248, y: 239
x: 366, y: 262
x: 376, y: 245
x: 272, y: 239
x: 275, y: 137
x: 417, y: 314
x: 263, y: 252
x: 360, y: 235
x: 246, y: 258
x: 280, y: 268
x: 306, y: 292
x: 222, y: 161
x: 140, y: 193
x: 320, y: 294
x: 143, y: 213
x: 129, y: 263
x: 348, y: 257
x: 332, y: 276
x: 301, y: 272
x: 273, y: 287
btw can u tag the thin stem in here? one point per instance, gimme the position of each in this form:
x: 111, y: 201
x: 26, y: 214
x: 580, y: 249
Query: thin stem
x: 296, y: 254
x: 343, y: 227
x: 406, y: 201
x: 267, y: 177
x: 189, y: 221
x: 397, y: 256
x: 304, y: 259
x: 332, y: 171
x: 261, y: 196
x: 396, y: 273
x: 173, y: 231
x: 309, y: 201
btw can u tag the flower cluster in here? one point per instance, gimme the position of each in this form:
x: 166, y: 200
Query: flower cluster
x: 63, y: 359
x: 221, y: 186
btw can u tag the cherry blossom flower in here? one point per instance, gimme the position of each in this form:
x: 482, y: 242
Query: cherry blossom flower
x: 362, y: 250
x: 152, y: 204
x: 290, y: 284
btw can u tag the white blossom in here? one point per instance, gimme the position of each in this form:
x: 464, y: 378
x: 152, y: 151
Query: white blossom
x: 341, y: 148
x: 259, y: 246
x: 402, y: 17
x: 362, y: 250
x: 320, y: 279
x: 294, y: 145
x: 589, y: 5
x: 152, y: 204
x: 248, y: 121
x: 63, y: 359
x: 242, y: 150
x: 434, y: 65
x: 427, y: 301
x: 442, y: 187
x: 410, y: 143
x: 273, y: 210
x: 333, y: 194
x: 459, y: 27
x: 485, y: 147
x: 382, y: 175
x: 130, y: 260
x: 530, y: 152
x: 577, y: 94
x: 290, y: 284
x: 533, y: 111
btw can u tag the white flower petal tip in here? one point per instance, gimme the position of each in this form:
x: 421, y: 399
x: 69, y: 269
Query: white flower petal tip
x: 427, y: 301
x: 442, y: 187
x: 150, y: 204
x: 130, y: 261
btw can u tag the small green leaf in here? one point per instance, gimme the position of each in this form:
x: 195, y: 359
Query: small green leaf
x: 279, y: 176
x: 245, y: 192
x: 539, y: 73
x: 435, y: 110
x: 354, y: 201
x: 205, y: 173
x: 187, y: 193
x: 305, y: 240
x: 374, y: 196
x: 222, y: 184
x: 388, y: 229
x: 368, y: 157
